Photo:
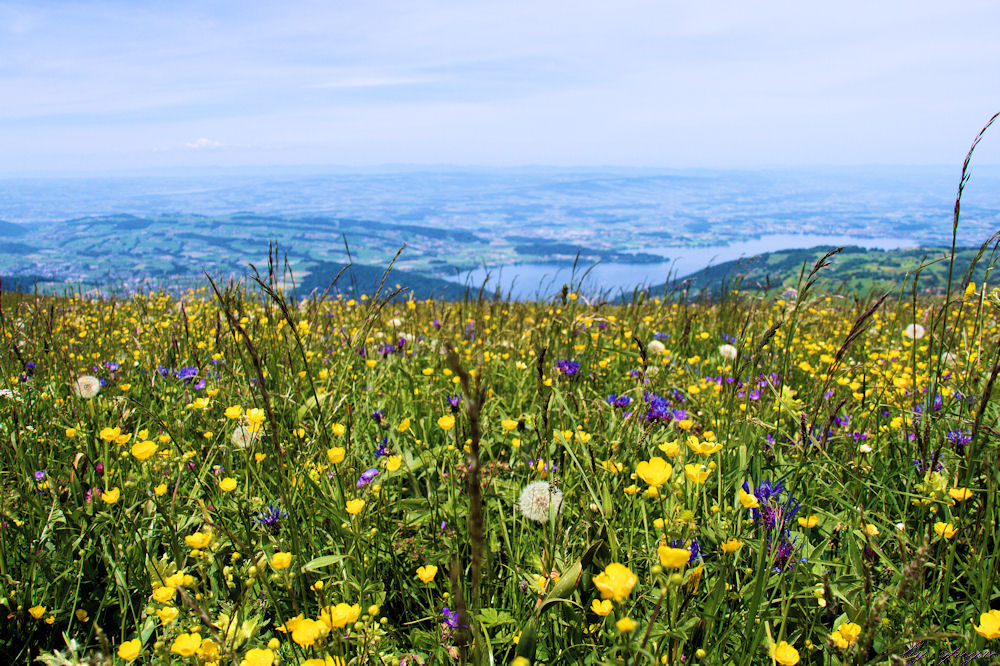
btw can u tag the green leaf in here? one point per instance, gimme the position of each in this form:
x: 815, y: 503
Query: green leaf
x: 324, y: 561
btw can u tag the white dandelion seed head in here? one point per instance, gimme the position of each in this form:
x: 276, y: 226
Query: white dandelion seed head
x: 87, y: 387
x: 655, y: 348
x: 395, y: 322
x: 243, y: 437
x: 865, y: 448
x: 727, y: 352
x: 913, y: 332
x: 536, y: 499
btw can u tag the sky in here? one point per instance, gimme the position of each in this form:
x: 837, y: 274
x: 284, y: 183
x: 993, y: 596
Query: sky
x: 105, y: 86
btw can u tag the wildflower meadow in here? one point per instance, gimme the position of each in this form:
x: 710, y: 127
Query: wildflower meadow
x: 239, y: 475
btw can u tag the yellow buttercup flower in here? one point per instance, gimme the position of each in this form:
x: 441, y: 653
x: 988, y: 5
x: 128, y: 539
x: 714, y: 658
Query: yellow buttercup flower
x: 731, y: 546
x: 601, y: 607
x: 258, y: 657
x: 625, y: 625
x: 446, y: 422
x: 671, y: 449
x: 989, y: 625
x: 655, y: 471
x: 166, y: 615
x: 129, y: 650
x: 808, y: 521
x: 111, y: 496
x: 615, y: 582
x: 186, y: 644
x: 198, y: 540
x: 354, y: 506
x: 785, y: 654
x: 392, y: 463
x: 335, y: 454
x: 228, y: 484
x: 338, y: 429
x: 143, y: 450
x: 234, y: 412
x: 508, y: 424
x: 164, y: 594
x: 404, y: 425
x: 281, y: 560
x: 307, y: 632
x: 947, y: 530
x: 37, y: 612
x: 339, y: 616
x: 426, y: 574
x: 846, y: 635
x: 960, y: 494
x: 673, y: 557
x: 748, y: 501
x: 696, y: 474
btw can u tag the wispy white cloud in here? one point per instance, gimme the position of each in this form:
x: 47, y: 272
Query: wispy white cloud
x: 204, y: 144
x: 372, y: 81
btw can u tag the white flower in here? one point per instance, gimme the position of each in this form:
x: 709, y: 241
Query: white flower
x: 865, y: 448
x: 536, y: 498
x: 913, y: 332
x: 10, y: 395
x: 655, y: 348
x: 395, y: 322
x: 87, y: 387
x: 900, y: 526
x: 949, y: 359
x: 727, y: 352
x: 243, y: 437
x: 789, y: 294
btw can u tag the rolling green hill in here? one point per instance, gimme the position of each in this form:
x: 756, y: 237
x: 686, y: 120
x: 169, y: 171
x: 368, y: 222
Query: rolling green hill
x: 852, y: 270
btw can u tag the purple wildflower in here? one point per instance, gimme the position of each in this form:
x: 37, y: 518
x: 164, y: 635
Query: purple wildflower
x: 959, y: 439
x: 270, y: 517
x: 366, y: 477
x: 568, y: 367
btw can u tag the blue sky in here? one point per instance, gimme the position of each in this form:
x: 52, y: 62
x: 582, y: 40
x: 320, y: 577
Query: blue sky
x: 96, y: 86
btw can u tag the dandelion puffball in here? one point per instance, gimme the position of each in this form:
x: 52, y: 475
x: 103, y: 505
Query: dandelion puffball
x: 655, y: 348
x: 913, y: 332
x: 87, y: 387
x: 243, y: 437
x: 727, y: 352
x: 536, y: 499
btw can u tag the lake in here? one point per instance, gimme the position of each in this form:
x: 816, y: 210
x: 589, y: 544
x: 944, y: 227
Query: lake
x: 543, y: 279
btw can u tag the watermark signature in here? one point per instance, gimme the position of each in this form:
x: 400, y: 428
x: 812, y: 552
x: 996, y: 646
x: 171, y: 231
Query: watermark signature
x: 917, y: 654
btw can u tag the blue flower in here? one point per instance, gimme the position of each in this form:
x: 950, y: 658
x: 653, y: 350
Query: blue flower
x: 270, y: 517
x: 366, y: 477
x: 568, y: 367
x: 959, y: 439
x: 451, y: 619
